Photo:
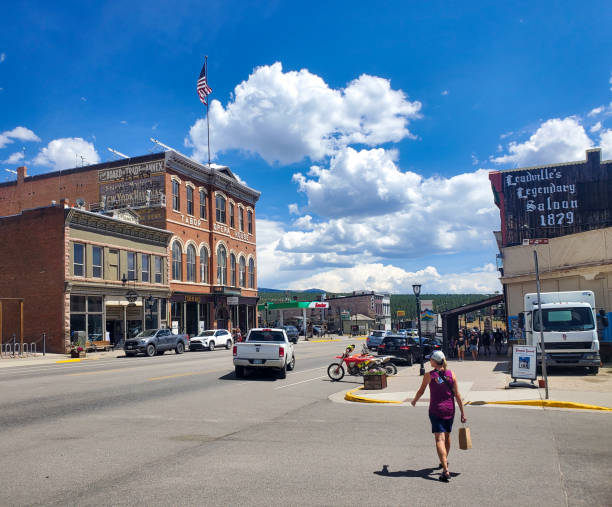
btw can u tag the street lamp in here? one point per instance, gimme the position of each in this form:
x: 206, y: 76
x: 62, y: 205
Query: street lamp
x: 416, y: 288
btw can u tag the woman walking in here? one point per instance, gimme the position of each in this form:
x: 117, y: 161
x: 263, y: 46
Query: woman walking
x: 461, y: 346
x: 442, y: 393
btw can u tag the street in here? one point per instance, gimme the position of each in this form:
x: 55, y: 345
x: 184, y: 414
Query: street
x: 181, y: 430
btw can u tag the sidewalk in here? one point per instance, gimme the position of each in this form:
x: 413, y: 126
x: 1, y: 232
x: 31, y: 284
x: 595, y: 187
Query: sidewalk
x: 485, y: 382
x: 49, y: 358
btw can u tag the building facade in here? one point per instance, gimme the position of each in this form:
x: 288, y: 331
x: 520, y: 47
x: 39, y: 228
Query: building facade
x: 212, y: 268
x: 371, y: 304
x: 66, y: 265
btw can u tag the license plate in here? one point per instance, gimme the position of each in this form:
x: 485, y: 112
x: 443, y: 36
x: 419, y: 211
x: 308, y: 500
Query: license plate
x: 257, y: 361
x: 130, y: 347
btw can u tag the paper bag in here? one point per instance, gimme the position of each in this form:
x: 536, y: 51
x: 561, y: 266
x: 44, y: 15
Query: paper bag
x: 465, y: 439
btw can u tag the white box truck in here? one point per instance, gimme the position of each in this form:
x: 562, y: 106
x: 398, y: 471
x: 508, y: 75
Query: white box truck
x: 569, y: 327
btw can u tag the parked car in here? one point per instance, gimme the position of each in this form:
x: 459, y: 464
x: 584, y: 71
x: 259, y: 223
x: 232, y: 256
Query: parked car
x: 402, y: 347
x: 430, y: 345
x: 375, y: 338
x: 155, y: 341
x: 210, y: 339
x: 292, y: 333
x: 316, y: 330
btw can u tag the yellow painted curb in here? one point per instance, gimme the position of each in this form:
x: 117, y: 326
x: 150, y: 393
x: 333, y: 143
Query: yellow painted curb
x: 349, y: 396
x: 323, y: 341
x: 68, y: 361
x: 543, y: 403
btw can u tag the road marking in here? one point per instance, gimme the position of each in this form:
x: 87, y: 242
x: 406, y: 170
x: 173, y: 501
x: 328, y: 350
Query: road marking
x: 296, y: 383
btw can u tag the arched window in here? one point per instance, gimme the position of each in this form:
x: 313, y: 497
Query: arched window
x: 242, y: 272
x: 231, y: 208
x: 203, y: 265
x: 251, y: 274
x: 221, y: 265
x: 191, y: 263
x: 233, y: 270
x: 177, y: 261
x: 220, y: 208
x: 250, y: 221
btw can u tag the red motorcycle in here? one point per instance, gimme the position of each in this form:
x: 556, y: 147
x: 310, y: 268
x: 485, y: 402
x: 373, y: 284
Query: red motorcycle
x: 358, y: 364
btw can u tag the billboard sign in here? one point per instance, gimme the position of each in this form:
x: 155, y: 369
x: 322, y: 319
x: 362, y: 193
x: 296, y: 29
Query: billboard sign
x: 132, y: 185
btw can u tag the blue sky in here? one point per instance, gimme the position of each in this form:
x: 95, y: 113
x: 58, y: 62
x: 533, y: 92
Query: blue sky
x: 368, y: 128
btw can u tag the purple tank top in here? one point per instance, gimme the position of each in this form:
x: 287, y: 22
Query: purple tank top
x: 441, y: 399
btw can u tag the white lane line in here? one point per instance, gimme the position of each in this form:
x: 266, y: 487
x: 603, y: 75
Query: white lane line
x: 296, y: 383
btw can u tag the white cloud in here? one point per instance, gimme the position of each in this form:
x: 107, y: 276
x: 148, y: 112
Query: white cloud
x: 445, y: 92
x: 20, y: 133
x: 14, y: 158
x: 556, y: 140
x: 123, y: 122
x: 66, y: 153
x: 287, y: 116
x: 596, y: 111
x: 605, y: 142
x: 610, y: 81
x: 2, y: 57
x: 596, y: 127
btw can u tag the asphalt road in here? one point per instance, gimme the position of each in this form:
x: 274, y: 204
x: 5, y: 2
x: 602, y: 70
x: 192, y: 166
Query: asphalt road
x: 181, y: 430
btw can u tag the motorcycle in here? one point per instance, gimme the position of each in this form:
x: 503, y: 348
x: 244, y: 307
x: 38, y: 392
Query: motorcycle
x: 358, y: 364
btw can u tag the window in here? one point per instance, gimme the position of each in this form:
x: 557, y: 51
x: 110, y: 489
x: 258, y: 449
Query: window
x: 79, y: 259
x: 221, y: 265
x: 232, y: 222
x: 241, y: 218
x: 96, y: 262
x: 203, y: 265
x: 85, y: 319
x: 176, y: 200
x: 250, y: 221
x: 191, y: 263
x: 131, y: 265
x: 113, y: 265
x: 177, y: 262
x: 242, y: 272
x: 145, y: 267
x: 564, y: 319
x: 220, y: 208
x: 158, y: 269
x: 251, y: 274
x: 203, y: 204
x: 233, y: 270
x: 190, y: 200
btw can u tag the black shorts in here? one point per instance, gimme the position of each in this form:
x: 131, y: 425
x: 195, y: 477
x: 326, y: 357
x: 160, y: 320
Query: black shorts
x: 439, y: 425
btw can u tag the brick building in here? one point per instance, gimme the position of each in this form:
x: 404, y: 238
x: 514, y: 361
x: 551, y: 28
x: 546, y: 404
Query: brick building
x: 212, y: 253
x: 368, y: 303
x: 65, y: 264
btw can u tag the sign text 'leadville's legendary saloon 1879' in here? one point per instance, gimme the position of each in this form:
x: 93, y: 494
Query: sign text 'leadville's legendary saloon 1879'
x: 554, y: 200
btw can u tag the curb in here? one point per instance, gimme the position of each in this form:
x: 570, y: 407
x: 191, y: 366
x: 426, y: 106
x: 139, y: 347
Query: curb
x: 543, y: 403
x: 76, y: 360
x: 349, y: 396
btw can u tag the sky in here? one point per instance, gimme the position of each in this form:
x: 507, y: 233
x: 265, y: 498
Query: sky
x: 368, y: 128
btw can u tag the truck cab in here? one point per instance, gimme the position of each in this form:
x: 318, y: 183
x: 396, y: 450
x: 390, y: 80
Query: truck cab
x: 569, y: 328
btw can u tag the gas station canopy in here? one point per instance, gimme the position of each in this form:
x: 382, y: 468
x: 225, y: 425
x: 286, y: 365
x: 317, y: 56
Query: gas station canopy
x: 293, y: 304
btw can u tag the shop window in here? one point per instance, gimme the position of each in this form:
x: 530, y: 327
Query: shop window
x: 96, y: 262
x: 78, y: 259
x: 191, y: 263
x: 190, y: 200
x: 250, y: 221
x: 203, y: 265
x: 177, y: 261
x: 203, y: 204
x: 85, y: 319
x: 131, y: 265
x: 176, y: 200
x: 232, y: 220
x: 145, y: 267
x: 251, y: 274
x: 233, y: 270
x: 221, y: 265
x: 220, y: 208
x: 176, y: 316
x: 158, y: 269
x: 242, y: 272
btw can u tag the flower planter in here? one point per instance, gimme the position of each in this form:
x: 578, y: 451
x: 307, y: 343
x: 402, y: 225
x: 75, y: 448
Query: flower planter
x: 371, y: 382
x: 76, y: 353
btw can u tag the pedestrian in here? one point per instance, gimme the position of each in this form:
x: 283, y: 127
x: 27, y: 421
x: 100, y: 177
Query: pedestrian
x: 486, y: 343
x: 474, y: 345
x: 498, y: 338
x: 443, y: 391
x: 461, y: 345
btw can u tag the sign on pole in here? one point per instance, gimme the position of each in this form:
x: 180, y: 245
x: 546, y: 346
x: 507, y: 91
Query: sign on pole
x: 524, y: 362
x: 232, y: 300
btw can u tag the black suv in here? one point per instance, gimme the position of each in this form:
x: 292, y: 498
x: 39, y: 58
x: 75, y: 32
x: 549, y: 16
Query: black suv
x: 405, y: 348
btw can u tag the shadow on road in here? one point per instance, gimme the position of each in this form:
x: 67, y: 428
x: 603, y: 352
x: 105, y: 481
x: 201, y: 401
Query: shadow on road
x: 424, y: 473
x: 263, y: 375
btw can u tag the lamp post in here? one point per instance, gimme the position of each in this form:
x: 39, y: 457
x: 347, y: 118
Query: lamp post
x: 416, y: 288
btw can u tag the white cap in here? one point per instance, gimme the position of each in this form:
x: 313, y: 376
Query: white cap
x: 438, y: 356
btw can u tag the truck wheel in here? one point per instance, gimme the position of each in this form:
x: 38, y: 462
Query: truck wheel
x: 282, y: 373
x: 239, y: 371
x: 211, y: 346
x: 150, y: 352
x: 594, y: 370
x: 228, y: 344
x: 180, y: 348
x: 291, y: 364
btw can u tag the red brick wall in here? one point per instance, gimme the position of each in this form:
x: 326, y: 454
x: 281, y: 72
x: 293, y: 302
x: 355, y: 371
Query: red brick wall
x: 32, y: 267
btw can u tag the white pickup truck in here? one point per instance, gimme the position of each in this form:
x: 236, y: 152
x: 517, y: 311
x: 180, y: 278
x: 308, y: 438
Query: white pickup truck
x: 264, y: 348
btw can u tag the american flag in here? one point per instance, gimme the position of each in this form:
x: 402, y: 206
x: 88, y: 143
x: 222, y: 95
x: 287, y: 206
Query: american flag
x: 203, y: 89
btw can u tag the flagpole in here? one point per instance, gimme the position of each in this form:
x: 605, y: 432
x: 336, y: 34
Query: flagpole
x: 207, y: 102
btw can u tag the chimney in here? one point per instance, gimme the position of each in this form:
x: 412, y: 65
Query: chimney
x: 22, y: 172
